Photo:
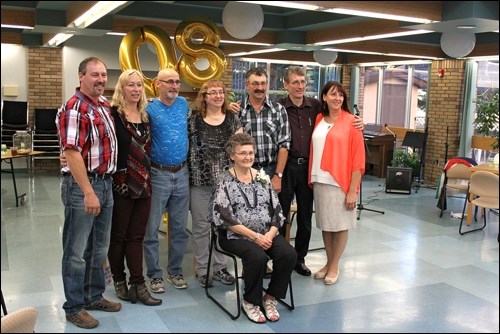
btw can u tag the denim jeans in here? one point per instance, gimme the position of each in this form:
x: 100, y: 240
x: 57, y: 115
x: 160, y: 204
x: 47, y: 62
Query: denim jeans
x: 85, y: 244
x: 169, y: 192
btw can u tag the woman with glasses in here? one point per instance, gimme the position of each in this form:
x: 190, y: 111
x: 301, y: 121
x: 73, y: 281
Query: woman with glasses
x: 247, y: 212
x: 209, y: 128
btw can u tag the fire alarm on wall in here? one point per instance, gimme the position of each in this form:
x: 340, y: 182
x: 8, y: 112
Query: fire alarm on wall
x: 441, y: 72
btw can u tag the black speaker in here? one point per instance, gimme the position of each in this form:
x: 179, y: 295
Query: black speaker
x: 398, y: 180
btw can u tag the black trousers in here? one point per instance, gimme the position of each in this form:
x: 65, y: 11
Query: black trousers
x: 295, y: 182
x: 254, y: 260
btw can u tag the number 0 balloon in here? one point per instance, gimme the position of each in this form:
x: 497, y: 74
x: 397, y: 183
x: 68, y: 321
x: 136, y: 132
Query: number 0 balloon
x: 129, y: 52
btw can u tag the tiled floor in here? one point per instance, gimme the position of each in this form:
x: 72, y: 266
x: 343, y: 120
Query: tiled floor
x: 403, y: 271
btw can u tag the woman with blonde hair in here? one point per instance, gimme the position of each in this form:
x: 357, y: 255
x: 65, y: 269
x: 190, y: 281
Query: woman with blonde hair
x: 131, y: 188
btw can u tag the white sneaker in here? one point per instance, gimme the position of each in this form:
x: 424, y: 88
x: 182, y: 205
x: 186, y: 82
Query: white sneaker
x: 157, y: 285
x: 177, y: 281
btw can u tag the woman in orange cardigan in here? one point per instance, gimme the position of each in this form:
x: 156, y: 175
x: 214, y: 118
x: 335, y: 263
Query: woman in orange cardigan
x: 336, y: 165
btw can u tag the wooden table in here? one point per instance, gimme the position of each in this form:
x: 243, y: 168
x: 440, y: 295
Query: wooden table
x: 8, y: 156
x: 489, y: 167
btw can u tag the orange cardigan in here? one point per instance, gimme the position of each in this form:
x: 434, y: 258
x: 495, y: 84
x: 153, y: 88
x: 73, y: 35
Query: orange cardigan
x: 344, y: 150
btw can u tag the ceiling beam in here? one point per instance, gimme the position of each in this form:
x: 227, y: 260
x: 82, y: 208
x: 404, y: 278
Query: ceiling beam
x: 18, y: 17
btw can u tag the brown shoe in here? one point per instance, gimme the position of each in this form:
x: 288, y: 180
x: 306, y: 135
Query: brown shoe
x: 82, y: 319
x: 121, y: 290
x: 105, y: 305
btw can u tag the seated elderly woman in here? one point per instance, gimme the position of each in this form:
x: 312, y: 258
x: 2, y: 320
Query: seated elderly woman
x: 248, y: 214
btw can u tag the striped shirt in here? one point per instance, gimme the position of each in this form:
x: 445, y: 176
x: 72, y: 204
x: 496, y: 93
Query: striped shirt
x: 269, y: 128
x: 88, y: 128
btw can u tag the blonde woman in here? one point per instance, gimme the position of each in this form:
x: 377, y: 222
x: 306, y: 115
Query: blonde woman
x: 131, y: 188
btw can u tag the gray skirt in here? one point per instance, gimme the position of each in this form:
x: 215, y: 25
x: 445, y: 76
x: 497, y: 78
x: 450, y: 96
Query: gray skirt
x: 330, y: 211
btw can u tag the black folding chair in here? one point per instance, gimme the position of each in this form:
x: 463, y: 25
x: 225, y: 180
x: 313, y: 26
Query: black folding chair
x: 45, y: 133
x: 214, y: 246
x: 14, y: 117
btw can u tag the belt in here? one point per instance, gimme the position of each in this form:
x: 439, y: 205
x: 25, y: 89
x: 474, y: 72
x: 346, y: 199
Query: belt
x: 91, y: 175
x: 172, y: 169
x: 298, y: 161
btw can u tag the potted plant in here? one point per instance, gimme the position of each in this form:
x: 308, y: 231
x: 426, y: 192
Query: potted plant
x: 403, y: 158
x: 486, y: 121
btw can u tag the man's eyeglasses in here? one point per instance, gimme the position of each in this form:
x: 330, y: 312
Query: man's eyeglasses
x: 245, y: 154
x: 221, y: 92
x: 298, y: 82
x: 171, y: 82
x: 257, y: 84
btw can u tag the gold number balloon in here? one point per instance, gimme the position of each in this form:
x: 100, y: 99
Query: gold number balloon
x: 192, y: 51
x: 129, y: 52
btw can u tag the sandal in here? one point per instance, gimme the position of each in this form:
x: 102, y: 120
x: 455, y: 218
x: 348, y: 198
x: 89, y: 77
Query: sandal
x: 271, y: 311
x: 253, y: 312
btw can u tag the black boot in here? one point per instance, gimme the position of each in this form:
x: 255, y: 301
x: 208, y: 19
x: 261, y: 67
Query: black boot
x: 121, y: 290
x: 140, y: 292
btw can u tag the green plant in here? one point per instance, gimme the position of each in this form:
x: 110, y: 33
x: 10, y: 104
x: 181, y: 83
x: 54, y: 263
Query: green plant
x: 231, y: 96
x: 402, y: 158
x: 487, y: 116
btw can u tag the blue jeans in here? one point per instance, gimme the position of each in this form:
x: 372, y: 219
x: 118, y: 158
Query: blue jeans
x: 169, y: 192
x: 85, y: 244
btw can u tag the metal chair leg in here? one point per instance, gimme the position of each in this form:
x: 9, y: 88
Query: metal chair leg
x: 462, y: 219
x: 215, y: 247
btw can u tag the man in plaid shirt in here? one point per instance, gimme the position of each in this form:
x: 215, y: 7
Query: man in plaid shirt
x: 267, y: 122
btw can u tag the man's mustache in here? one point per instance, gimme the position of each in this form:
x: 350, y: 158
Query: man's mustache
x: 259, y: 91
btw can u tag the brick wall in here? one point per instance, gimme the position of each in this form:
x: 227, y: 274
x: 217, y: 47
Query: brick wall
x: 44, y: 91
x: 445, y: 112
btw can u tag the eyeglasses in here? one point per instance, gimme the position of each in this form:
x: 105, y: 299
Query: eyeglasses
x: 221, y: 92
x: 298, y: 82
x: 257, y: 84
x: 171, y: 82
x: 245, y: 154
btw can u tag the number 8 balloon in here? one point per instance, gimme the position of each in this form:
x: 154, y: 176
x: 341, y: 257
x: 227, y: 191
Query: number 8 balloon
x: 129, y: 52
x: 191, y: 52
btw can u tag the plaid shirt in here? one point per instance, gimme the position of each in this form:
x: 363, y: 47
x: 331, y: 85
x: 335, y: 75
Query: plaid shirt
x: 88, y: 128
x: 269, y: 128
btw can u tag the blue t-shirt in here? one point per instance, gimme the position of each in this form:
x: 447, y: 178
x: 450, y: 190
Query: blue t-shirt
x: 169, y: 132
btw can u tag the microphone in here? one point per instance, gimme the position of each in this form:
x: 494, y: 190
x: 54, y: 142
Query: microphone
x: 356, y: 108
x: 392, y: 133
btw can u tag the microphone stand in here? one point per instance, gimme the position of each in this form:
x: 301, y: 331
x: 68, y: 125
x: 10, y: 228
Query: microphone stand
x: 361, y: 207
x: 394, y: 140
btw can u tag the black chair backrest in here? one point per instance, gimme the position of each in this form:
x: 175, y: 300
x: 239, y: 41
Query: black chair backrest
x: 45, y: 120
x: 15, y: 113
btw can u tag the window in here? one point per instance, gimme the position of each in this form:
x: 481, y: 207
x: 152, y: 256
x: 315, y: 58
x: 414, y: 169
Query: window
x: 276, y: 73
x: 396, y: 95
x: 486, y: 87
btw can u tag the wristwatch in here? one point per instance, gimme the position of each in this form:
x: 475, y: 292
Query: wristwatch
x: 280, y: 175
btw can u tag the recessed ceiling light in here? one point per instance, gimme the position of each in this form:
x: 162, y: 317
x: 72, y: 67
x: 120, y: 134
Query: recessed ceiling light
x: 466, y: 26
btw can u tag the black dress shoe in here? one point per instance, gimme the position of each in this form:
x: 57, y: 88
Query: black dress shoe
x: 302, y: 269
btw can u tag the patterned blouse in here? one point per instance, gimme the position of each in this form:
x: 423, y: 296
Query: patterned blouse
x: 254, y: 205
x: 207, y: 148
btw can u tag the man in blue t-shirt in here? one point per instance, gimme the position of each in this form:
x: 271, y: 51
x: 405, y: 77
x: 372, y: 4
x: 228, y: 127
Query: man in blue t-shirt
x: 169, y: 180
